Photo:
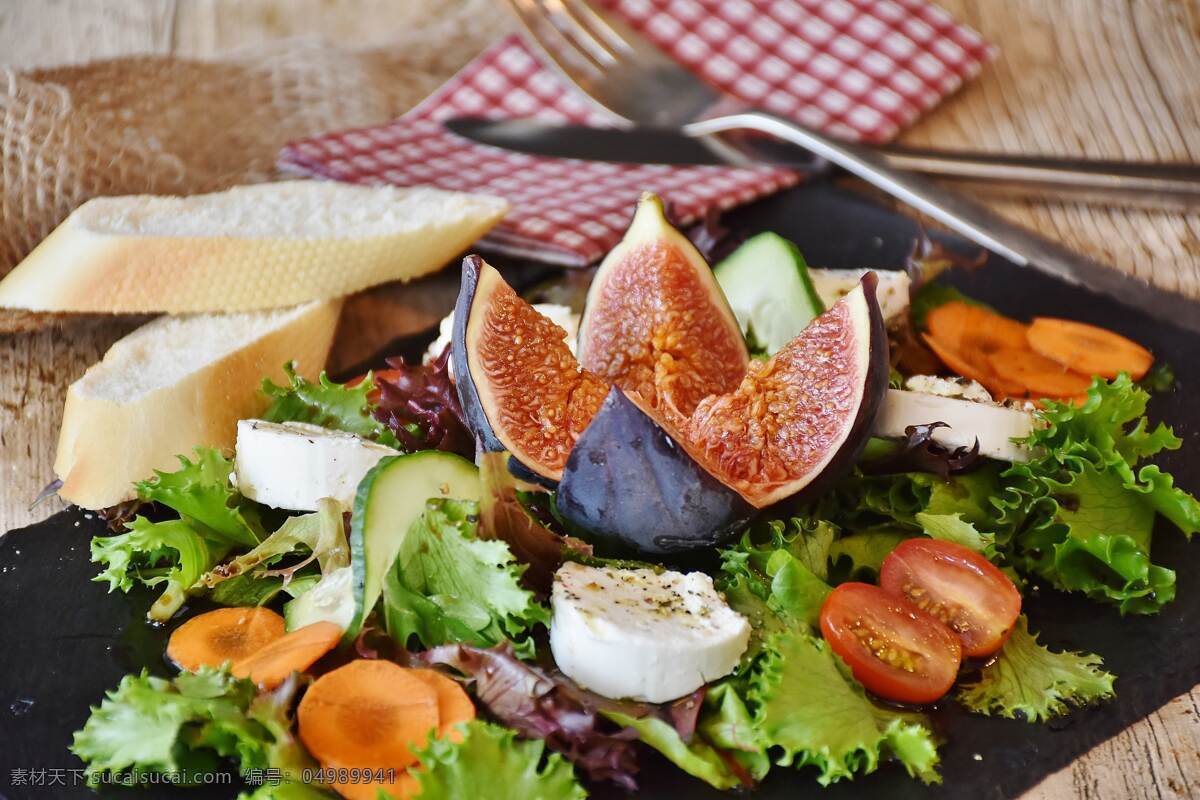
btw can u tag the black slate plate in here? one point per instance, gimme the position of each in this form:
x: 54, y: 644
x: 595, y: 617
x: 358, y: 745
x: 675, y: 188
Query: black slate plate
x: 65, y: 641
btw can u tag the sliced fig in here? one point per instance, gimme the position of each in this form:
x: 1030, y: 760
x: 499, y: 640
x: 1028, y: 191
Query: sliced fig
x: 521, y: 388
x: 651, y: 477
x: 628, y: 482
x: 799, y: 420
x: 656, y: 322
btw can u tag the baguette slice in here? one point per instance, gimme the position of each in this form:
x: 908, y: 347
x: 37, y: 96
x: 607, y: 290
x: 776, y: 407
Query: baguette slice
x: 269, y: 245
x: 175, y: 384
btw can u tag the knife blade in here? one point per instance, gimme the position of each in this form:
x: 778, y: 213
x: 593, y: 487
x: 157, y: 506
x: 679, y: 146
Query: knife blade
x: 1119, y: 183
x: 629, y: 145
x: 642, y: 145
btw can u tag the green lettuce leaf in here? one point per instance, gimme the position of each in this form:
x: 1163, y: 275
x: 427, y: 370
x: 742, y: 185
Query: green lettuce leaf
x: 795, y: 591
x: 859, y: 555
x: 748, y: 596
x: 953, y: 528
x: 1095, y: 539
x: 213, y: 518
x: 246, y: 590
x: 1160, y: 378
x: 287, y: 790
x: 1084, y: 512
x: 805, y: 704
x: 893, y: 501
x: 150, y: 724
x: 1029, y: 681
x: 321, y: 535
x: 449, y: 586
x: 490, y: 762
x: 782, y: 565
x: 172, y: 554
x: 328, y: 404
x: 727, y: 723
x: 934, y: 294
x: 697, y: 758
x: 200, y: 490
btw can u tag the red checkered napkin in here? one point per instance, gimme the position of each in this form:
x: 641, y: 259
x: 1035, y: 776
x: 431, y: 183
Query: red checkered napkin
x: 859, y: 69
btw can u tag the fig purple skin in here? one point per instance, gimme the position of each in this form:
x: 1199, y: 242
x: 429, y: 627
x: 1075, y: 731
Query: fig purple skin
x: 632, y: 487
x: 477, y: 420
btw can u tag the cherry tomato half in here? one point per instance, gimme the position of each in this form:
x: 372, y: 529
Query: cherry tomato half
x: 958, y: 586
x: 893, y: 648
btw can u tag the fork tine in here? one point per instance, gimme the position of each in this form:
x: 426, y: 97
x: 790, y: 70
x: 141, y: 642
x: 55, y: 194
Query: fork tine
x: 572, y: 27
x: 554, y: 43
x: 599, y: 26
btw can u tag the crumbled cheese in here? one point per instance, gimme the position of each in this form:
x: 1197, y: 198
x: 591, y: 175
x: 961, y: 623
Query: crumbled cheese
x: 962, y: 388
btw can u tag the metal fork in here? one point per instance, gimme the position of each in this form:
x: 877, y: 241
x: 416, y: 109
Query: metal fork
x: 628, y: 76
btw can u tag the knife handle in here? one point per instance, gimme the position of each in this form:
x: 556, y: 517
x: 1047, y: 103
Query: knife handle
x: 962, y: 215
x: 1122, y: 183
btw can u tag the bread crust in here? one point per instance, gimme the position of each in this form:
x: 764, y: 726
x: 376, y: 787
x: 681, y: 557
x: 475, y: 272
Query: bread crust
x: 105, y: 445
x: 81, y: 269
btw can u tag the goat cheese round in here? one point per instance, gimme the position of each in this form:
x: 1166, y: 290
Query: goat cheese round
x: 993, y: 426
x: 292, y: 465
x: 642, y: 635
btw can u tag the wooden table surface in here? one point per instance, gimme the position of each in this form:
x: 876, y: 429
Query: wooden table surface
x: 1102, y: 78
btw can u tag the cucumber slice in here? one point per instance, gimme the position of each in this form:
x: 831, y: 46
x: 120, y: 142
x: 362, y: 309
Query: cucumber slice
x: 768, y: 286
x: 390, y: 498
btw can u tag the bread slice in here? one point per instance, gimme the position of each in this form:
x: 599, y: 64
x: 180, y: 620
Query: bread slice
x: 269, y: 245
x: 174, y: 384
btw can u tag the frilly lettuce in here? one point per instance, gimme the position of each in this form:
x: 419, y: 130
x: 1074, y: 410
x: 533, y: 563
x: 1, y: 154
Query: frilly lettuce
x: 858, y: 556
x: 329, y: 404
x: 782, y: 566
x: 488, y: 761
x: 173, y: 554
x: 1029, y: 681
x: 321, y: 535
x: 1083, y: 509
x: 318, y: 537
x: 201, y: 491
x: 447, y: 585
x: 726, y: 722
x: 503, y: 517
x: 187, y: 724
x: 806, y: 705
x: 798, y: 697
x: 287, y: 790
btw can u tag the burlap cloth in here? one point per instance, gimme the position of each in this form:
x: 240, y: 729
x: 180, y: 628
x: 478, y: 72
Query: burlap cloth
x: 166, y: 125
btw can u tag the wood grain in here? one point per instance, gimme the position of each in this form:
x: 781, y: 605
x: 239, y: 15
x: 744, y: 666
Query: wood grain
x: 1087, y: 78
x: 1103, y: 78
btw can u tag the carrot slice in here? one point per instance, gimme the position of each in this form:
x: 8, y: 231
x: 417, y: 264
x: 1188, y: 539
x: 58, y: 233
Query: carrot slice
x: 1088, y: 349
x: 965, y: 327
x: 974, y: 367
x: 404, y: 787
x: 369, y: 713
x: 1041, y: 376
x: 227, y: 634
x: 294, y: 652
x: 453, y: 704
